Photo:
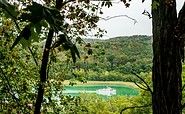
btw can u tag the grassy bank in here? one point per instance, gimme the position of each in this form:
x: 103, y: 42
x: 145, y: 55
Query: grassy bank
x: 130, y: 84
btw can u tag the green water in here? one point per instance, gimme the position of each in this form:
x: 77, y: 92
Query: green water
x: 120, y: 90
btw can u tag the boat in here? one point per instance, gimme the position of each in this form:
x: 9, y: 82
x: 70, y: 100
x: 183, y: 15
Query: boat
x: 106, y: 91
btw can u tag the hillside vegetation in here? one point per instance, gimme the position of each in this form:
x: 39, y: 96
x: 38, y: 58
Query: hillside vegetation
x: 115, y: 59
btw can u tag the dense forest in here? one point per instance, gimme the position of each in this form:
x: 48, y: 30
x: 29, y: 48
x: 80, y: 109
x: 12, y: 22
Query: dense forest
x: 116, y: 59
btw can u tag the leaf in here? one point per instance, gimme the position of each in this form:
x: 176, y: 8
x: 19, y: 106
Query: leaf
x: 54, y: 18
x: 76, y: 50
x: 62, y: 40
x: 34, y: 35
x: 43, y: 23
x: 10, y: 10
x: 108, y: 3
x: 25, y: 43
x: 38, y: 28
x: 73, y: 55
x: 23, y: 33
x: 155, y: 4
x: 102, y: 4
x: 26, y: 32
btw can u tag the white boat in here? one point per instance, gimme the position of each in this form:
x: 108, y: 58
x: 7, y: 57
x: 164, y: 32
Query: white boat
x: 106, y: 91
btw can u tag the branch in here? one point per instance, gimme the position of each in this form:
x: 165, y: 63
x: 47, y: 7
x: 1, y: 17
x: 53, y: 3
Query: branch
x: 140, y: 86
x: 15, y: 18
x: 8, y: 86
x: 145, y: 12
x: 148, y: 88
x: 108, y: 18
x: 144, y: 106
x: 33, y: 56
x: 43, y: 72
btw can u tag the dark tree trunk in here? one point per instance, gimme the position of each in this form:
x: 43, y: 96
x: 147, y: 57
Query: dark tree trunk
x: 167, y: 66
x: 43, y: 72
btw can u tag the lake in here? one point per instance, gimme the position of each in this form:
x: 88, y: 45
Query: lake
x: 102, y: 90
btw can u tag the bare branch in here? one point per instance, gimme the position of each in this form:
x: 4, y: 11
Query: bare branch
x: 8, y: 86
x: 108, y: 18
x: 33, y: 56
x: 140, y: 86
x: 148, y: 88
x: 144, y: 106
x: 145, y: 12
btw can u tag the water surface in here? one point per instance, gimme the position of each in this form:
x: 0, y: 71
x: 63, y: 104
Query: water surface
x: 120, y: 90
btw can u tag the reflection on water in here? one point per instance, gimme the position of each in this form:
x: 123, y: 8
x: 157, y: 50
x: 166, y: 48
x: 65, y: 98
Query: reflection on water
x: 105, y: 91
x: 77, y: 91
x: 101, y: 90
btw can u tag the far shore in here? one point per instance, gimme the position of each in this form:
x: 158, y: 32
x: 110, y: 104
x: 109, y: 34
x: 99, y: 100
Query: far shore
x: 120, y: 83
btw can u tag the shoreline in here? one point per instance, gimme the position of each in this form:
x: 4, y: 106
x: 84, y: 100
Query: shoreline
x: 120, y: 83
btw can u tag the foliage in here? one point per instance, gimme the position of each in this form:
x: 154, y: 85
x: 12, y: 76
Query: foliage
x: 28, y: 22
x: 118, y: 57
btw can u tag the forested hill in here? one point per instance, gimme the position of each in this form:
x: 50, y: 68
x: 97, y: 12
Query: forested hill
x: 116, y: 58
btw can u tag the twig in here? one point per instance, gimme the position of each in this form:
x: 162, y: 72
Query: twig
x: 8, y: 86
x: 135, y: 107
x: 148, y: 88
x: 140, y: 86
x: 108, y: 18
x: 33, y: 56
x: 145, y: 12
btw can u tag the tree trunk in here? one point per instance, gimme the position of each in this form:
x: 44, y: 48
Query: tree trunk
x: 167, y: 66
x: 43, y: 72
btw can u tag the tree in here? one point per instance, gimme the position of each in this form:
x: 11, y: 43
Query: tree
x: 168, y: 54
x: 49, y: 20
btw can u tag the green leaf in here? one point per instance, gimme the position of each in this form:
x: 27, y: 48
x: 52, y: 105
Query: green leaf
x: 10, y: 10
x: 76, y: 50
x: 155, y: 4
x: 36, y: 14
x: 38, y: 28
x: 43, y: 23
x: 62, y: 40
x: 73, y: 55
x: 34, y: 35
x: 25, y: 43
x: 16, y: 42
x: 25, y: 33
x: 54, y: 18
